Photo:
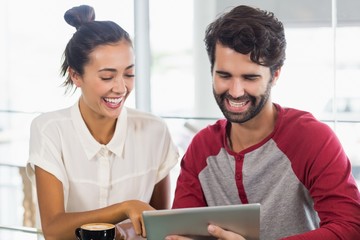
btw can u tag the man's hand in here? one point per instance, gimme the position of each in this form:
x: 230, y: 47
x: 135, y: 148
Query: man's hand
x: 222, y: 234
x: 215, y: 231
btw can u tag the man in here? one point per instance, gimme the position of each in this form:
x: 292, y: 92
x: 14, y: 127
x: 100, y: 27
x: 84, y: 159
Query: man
x: 282, y: 158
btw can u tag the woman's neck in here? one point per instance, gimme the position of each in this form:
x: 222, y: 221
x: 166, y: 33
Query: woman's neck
x: 100, y: 127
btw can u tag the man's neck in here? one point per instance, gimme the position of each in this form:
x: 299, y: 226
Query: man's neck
x: 245, y: 135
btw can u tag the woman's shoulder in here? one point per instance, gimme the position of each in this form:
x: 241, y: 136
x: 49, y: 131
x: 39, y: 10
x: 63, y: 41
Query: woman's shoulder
x: 46, y: 118
x: 136, y: 115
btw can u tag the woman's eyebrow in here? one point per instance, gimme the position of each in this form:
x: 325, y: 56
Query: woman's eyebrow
x: 132, y: 65
x: 108, y: 69
x: 114, y: 70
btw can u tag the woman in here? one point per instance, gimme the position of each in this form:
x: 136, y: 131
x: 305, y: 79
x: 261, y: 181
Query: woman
x: 98, y: 161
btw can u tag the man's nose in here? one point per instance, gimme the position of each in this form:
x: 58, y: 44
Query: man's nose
x: 236, y: 88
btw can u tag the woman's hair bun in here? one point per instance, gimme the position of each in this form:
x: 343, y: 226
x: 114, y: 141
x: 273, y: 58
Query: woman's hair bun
x: 79, y: 15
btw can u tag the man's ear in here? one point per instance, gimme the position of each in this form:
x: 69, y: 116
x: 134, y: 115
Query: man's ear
x: 75, y: 77
x: 276, y: 76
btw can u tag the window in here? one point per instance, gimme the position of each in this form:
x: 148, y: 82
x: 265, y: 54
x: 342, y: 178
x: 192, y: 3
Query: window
x: 33, y: 38
x: 321, y: 68
x: 321, y: 73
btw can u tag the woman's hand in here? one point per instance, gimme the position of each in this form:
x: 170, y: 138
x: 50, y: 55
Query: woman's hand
x: 125, y: 231
x: 133, y: 210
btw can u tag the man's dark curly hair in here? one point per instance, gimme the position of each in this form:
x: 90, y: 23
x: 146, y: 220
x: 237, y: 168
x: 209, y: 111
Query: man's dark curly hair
x: 249, y: 30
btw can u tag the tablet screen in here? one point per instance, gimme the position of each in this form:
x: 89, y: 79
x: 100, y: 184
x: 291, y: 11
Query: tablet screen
x: 192, y: 222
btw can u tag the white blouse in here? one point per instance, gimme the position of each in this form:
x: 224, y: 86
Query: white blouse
x: 93, y: 175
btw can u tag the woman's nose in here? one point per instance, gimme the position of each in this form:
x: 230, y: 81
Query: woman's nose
x: 119, y: 85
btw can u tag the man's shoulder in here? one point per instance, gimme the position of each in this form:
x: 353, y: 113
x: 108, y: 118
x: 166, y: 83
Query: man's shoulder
x: 216, y: 128
x: 211, y: 136
x: 299, y: 125
x: 298, y: 117
x: 292, y: 112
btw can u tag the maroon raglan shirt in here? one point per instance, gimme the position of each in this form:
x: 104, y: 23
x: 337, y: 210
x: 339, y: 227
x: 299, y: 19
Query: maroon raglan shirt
x: 300, y: 174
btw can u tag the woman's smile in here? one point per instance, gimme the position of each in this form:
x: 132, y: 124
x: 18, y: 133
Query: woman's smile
x: 114, y: 102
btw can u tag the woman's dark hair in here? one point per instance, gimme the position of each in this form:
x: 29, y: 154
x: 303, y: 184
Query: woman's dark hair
x: 249, y: 30
x: 89, y: 34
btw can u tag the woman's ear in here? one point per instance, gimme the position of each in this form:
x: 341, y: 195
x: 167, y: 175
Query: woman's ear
x: 75, y: 77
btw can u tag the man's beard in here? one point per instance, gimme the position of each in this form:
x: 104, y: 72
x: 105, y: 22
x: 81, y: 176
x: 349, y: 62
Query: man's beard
x: 256, y: 105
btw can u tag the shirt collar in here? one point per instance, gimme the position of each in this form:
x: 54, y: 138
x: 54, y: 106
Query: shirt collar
x: 117, y: 143
x: 90, y: 145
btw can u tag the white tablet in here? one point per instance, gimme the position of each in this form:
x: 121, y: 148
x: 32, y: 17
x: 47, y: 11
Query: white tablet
x: 192, y: 222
